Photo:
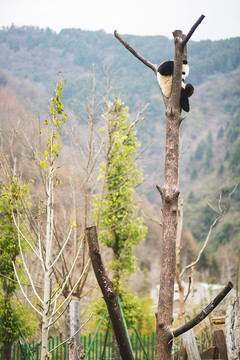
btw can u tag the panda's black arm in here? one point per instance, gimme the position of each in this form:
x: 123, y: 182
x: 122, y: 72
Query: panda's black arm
x: 135, y: 53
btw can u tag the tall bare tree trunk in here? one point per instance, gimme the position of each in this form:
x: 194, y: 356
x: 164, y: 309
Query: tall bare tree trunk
x: 47, y: 268
x: 232, y: 328
x: 169, y: 193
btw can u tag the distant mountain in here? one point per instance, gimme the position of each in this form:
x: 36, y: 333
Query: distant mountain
x: 210, y: 153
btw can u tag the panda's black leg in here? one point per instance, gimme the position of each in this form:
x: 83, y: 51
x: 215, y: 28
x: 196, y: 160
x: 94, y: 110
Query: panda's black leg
x: 184, y: 102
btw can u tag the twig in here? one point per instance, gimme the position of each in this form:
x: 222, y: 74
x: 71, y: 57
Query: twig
x: 15, y: 281
x: 72, y: 336
x: 185, y: 40
x: 203, y: 314
x: 135, y: 53
x: 189, y: 288
x: 203, y: 247
x: 66, y: 299
x: 155, y: 220
x: 62, y: 248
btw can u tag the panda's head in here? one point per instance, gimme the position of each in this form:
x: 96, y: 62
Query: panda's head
x: 185, y: 72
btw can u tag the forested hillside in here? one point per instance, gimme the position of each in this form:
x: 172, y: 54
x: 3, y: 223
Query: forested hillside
x: 30, y: 59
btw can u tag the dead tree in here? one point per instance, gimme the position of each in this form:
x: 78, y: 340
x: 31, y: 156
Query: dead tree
x: 169, y: 192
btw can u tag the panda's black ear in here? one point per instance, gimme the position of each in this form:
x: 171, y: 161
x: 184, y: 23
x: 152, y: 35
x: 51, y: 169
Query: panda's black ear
x: 166, y: 68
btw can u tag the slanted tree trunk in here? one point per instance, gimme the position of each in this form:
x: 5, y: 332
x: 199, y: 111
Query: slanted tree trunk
x: 108, y: 294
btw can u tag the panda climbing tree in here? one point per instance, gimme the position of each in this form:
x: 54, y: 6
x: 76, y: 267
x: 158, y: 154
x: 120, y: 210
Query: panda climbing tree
x: 165, y: 77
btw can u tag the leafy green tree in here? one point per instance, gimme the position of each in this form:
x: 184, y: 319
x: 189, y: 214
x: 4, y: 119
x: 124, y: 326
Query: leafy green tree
x: 198, y: 155
x: 12, y: 198
x: 120, y: 227
x: 234, y: 161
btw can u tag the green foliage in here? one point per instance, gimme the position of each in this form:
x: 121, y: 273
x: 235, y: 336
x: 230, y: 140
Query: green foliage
x: 220, y: 133
x: 131, y: 306
x: 63, y: 47
x: 194, y: 174
x: 12, y: 200
x: 232, y: 135
x: 224, y: 236
x: 14, y: 197
x: 234, y: 161
x: 207, y: 163
x: 47, y: 159
x: 191, y: 197
x: 209, y: 139
x: 220, y: 169
x: 147, y: 322
x: 11, y: 314
x: 120, y: 226
x: 227, y: 155
x: 198, y: 155
x: 208, y: 216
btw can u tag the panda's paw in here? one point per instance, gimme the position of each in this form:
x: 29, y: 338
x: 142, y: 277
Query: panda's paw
x: 185, y: 105
x: 189, y: 90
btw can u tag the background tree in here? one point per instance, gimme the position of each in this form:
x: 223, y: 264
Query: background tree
x: 13, y: 196
x: 120, y: 227
x: 43, y: 241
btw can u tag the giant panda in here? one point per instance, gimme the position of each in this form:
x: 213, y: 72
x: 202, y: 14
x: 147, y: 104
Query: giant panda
x: 164, y: 78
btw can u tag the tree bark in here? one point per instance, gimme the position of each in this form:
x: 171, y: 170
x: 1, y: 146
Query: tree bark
x: 6, y: 350
x: 74, y: 311
x: 232, y: 328
x: 108, y: 294
x: 169, y: 193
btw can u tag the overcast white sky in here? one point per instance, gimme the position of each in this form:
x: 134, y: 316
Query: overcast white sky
x: 139, y: 17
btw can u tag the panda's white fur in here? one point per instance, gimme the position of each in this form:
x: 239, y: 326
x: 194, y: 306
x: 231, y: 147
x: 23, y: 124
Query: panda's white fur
x: 165, y: 81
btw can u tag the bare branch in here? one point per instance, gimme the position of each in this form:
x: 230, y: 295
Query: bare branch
x: 24, y: 237
x: 50, y: 317
x: 189, y: 288
x: 203, y: 314
x: 62, y: 248
x: 203, y: 247
x: 15, y: 281
x: 135, y: 53
x: 26, y: 268
x: 70, y: 271
x: 26, y: 297
x: 153, y: 219
x: 185, y: 40
x: 72, y: 336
